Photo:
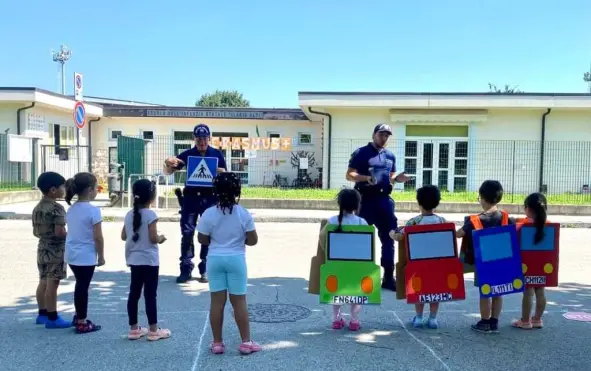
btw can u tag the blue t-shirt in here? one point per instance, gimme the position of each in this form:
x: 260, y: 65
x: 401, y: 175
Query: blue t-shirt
x: 368, y: 160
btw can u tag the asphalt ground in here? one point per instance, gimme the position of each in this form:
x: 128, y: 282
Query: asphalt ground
x: 292, y: 327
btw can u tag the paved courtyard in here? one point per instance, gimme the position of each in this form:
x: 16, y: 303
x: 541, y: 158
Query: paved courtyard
x: 290, y: 324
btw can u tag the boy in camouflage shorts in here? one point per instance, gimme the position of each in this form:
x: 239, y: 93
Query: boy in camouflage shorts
x: 49, y: 225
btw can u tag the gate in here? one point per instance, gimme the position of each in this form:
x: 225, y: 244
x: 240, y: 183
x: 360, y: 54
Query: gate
x: 65, y: 160
x: 131, y: 151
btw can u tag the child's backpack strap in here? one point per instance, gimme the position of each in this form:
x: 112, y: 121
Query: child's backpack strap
x: 505, y: 218
x: 475, y: 220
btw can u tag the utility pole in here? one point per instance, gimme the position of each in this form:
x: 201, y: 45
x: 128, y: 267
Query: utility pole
x: 587, y: 78
x: 62, y: 56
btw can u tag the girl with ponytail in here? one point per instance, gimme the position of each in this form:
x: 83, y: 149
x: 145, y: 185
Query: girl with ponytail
x: 536, y: 207
x: 141, y: 238
x: 349, y: 201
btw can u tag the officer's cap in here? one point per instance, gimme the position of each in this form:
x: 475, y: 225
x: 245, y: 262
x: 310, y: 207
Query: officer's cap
x: 201, y: 131
x: 382, y: 128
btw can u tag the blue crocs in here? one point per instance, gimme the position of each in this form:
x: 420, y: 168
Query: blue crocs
x: 41, y: 320
x: 417, y: 322
x: 432, y: 323
x: 58, y: 323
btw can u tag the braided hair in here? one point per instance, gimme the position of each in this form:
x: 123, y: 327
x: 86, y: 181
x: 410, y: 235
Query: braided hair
x: 349, y: 201
x: 144, y: 192
x: 227, y: 188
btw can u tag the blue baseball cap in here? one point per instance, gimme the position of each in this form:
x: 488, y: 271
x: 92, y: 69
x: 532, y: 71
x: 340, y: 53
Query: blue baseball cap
x: 201, y: 131
x: 382, y: 128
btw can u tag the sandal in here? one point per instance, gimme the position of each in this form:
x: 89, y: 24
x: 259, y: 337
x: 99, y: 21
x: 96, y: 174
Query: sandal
x: 84, y: 328
x: 537, y: 323
x: 354, y: 326
x: 248, y: 347
x: 159, y: 335
x: 518, y: 323
x: 137, y: 333
x: 217, y: 348
x: 338, y: 324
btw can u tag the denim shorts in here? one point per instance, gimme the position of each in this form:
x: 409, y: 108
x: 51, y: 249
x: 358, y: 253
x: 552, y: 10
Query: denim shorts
x: 227, y: 272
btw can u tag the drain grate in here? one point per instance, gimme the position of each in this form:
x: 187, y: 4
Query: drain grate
x: 277, y: 313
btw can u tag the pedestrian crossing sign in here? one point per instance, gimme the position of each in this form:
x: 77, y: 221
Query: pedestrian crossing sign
x: 201, y: 171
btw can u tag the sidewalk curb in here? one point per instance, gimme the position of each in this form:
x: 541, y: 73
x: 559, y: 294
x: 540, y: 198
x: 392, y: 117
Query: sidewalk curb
x: 257, y: 219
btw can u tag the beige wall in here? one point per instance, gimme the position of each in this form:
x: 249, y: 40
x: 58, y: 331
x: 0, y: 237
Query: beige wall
x: 260, y: 169
x: 505, y: 147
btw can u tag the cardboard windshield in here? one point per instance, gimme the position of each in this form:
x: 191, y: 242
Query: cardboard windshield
x: 349, y: 274
x: 540, y: 261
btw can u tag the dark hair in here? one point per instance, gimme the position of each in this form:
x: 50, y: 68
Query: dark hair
x: 537, y: 202
x: 428, y: 197
x: 491, y: 191
x: 49, y: 180
x: 79, y: 185
x: 348, y: 200
x: 144, y: 191
x: 227, y: 188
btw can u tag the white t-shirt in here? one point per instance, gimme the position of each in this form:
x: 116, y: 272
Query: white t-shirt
x: 227, y: 232
x: 142, y: 252
x: 81, y: 219
x: 348, y: 219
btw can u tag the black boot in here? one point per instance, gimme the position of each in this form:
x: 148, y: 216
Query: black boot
x: 185, y: 275
x: 389, y: 282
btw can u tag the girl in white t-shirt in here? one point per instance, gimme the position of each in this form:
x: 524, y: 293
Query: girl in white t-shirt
x: 349, y: 201
x: 227, y: 227
x: 84, y: 243
x: 142, y: 256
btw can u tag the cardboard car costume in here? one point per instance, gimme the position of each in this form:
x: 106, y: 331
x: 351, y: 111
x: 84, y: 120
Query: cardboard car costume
x: 433, y: 271
x: 497, y: 259
x: 349, y: 274
x: 539, y: 261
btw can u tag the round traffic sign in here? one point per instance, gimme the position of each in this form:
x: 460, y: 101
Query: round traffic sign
x: 578, y: 316
x: 79, y: 114
x: 78, y: 81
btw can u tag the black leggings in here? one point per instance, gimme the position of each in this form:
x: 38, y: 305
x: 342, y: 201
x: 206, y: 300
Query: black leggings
x: 145, y: 276
x: 83, y: 274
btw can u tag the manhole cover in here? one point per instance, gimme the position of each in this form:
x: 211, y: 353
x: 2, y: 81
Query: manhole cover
x: 277, y: 313
x: 578, y: 316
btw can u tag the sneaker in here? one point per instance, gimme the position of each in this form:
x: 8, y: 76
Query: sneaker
x: 417, y: 322
x: 537, y: 323
x: 248, y: 347
x: 138, y: 333
x: 338, y: 324
x: 217, y: 348
x: 432, y: 323
x: 354, y: 325
x: 517, y: 323
x: 159, y: 335
x: 481, y: 326
x: 183, y: 278
x: 203, y: 278
x: 84, y: 328
x: 41, y: 320
x: 494, y: 327
x: 58, y: 323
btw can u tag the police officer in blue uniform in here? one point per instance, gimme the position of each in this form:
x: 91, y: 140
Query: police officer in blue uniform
x: 373, y: 169
x: 195, y: 201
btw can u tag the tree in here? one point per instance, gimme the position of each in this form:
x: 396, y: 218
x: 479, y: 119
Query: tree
x: 222, y: 98
x: 507, y: 90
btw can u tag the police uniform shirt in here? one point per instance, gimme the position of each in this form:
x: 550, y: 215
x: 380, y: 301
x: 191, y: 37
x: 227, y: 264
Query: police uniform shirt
x: 209, y: 152
x: 381, y: 162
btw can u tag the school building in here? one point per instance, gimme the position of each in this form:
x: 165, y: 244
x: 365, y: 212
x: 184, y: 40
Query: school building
x: 454, y: 140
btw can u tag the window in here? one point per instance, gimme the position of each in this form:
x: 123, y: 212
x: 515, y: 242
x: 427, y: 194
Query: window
x: 431, y: 245
x: 183, y: 140
x: 461, y: 167
x: 148, y: 134
x: 274, y: 135
x: 304, y: 138
x: 350, y: 246
x: 115, y: 134
x: 410, y: 164
x: 527, y: 239
x: 50, y: 137
x: 71, y: 135
x: 495, y: 247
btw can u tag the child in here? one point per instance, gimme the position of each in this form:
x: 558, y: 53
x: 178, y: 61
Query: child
x: 141, y: 254
x: 226, y: 228
x: 490, y: 194
x: 349, y: 201
x: 84, y: 244
x: 535, y: 211
x: 49, y: 225
x: 428, y: 198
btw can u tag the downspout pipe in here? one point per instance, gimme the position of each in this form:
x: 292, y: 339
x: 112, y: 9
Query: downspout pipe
x: 329, y: 142
x: 90, y: 144
x: 543, y: 149
x: 18, y: 117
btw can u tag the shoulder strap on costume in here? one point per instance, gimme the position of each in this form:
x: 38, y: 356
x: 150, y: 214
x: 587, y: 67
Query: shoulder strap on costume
x: 475, y: 220
x: 505, y: 219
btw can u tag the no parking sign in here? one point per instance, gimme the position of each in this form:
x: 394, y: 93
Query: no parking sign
x: 79, y: 114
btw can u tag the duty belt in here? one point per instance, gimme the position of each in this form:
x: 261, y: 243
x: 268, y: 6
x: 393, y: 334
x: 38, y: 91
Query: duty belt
x: 374, y: 190
x: 199, y: 192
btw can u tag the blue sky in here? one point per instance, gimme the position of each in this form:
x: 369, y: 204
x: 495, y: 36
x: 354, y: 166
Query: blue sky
x: 270, y: 50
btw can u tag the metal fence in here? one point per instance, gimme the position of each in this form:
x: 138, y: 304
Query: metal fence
x: 457, y: 166
x: 14, y: 175
x: 65, y: 160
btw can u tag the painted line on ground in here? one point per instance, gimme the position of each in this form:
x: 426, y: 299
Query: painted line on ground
x: 433, y: 353
x: 34, y: 314
x: 200, y: 343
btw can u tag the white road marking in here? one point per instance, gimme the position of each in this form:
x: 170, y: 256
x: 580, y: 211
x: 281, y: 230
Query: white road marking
x: 198, y: 355
x: 420, y: 342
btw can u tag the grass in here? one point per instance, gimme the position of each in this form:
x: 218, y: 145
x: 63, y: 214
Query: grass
x: 325, y: 194
x: 15, y: 186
